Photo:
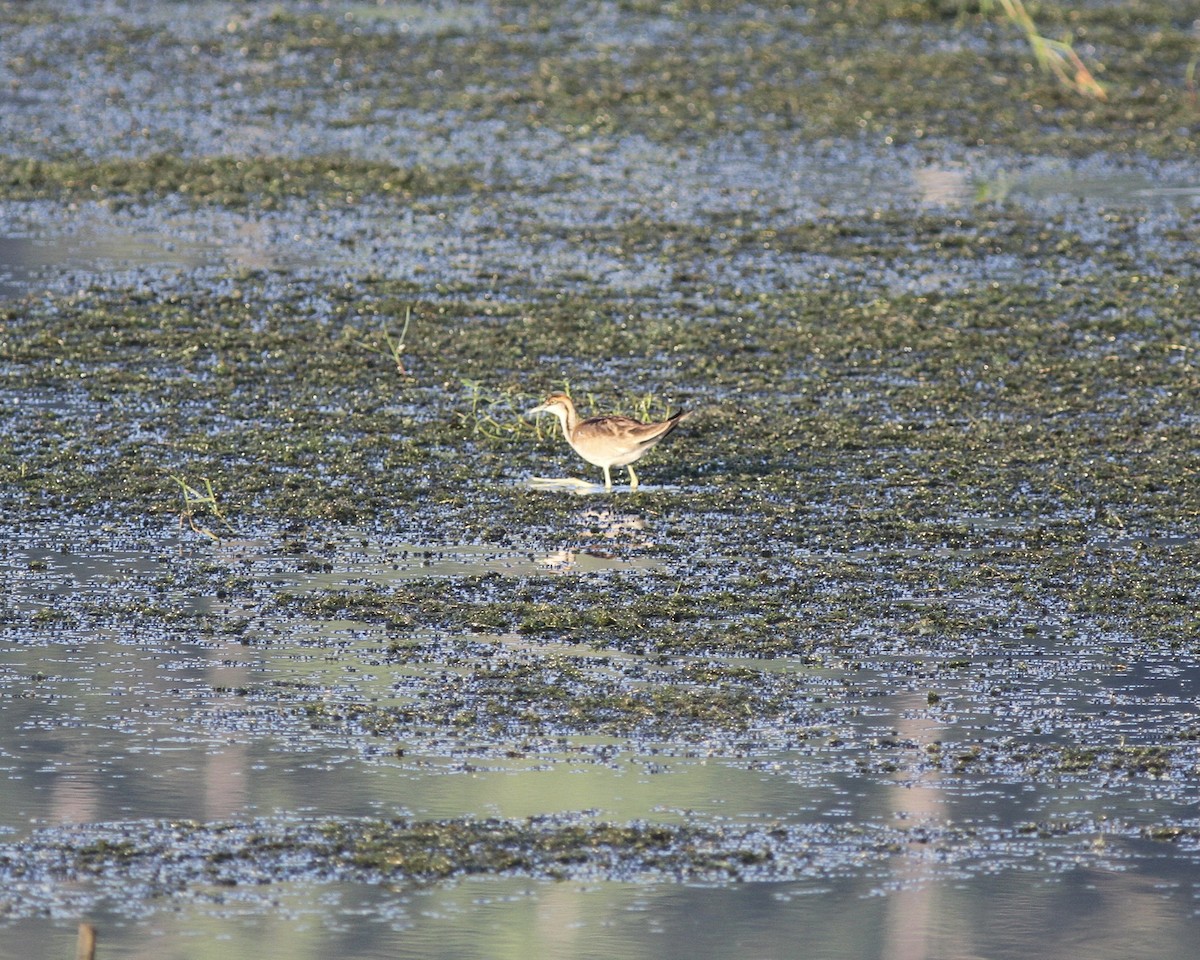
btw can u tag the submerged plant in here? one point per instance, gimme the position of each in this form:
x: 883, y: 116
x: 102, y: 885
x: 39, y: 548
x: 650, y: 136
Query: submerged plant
x: 194, y: 500
x: 1053, y: 56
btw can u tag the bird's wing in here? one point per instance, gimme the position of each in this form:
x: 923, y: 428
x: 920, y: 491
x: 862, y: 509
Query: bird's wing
x: 630, y: 431
x: 613, y: 428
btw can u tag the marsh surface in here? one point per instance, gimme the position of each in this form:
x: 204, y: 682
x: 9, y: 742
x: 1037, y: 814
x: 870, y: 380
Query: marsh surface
x: 894, y: 652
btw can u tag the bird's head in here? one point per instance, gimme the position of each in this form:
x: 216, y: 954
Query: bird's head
x: 557, y: 403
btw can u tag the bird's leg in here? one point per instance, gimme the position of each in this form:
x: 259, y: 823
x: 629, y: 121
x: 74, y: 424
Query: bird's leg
x: 607, y: 479
x: 633, y: 480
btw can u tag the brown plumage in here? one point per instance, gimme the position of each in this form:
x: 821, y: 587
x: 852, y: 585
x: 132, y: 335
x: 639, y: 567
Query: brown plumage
x: 611, y: 441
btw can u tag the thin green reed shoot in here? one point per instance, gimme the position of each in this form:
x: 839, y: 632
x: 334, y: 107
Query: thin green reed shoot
x: 391, y: 348
x: 195, y: 501
x: 1057, y: 57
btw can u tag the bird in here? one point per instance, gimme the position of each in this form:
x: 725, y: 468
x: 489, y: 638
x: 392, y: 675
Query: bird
x: 611, y: 441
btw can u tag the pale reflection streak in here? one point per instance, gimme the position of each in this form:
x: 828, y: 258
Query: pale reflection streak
x: 937, y: 186
x: 909, y: 917
x: 80, y: 791
x: 226, y: 770
x: 75, y: 794
x: 603, y: 530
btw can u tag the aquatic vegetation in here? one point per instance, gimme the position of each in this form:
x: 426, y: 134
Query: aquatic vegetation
x: 392, y: 349
x: 647, y: 407
x: 264, y: 182
x: 1056, y: 57
x: 497, y: 413
x: 195, y: 502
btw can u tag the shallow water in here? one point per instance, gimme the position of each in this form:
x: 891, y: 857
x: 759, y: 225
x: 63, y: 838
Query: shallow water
x: 48, y: 259
x: 118, y: 726
x: 1084, y: 915
x: 147, y: 245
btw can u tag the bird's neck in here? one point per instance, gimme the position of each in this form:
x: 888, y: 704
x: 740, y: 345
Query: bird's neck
x: 569, y: 420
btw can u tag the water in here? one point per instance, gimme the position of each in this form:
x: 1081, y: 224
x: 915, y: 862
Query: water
x: 51, y: 259
x: 94, y: 244
x: 882, y: 855
x: 1088, y: 915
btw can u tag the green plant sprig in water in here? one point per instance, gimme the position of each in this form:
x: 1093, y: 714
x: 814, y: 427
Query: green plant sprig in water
x: 498, y: 414
x: 1053, y: 56
x: 193, y: 499
x: 393, y: 349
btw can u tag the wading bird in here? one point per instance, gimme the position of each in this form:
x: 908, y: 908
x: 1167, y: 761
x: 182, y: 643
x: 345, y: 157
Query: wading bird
x: 608, y: 442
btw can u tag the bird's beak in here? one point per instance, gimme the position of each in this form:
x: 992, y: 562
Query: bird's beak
x: 542, y: 409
